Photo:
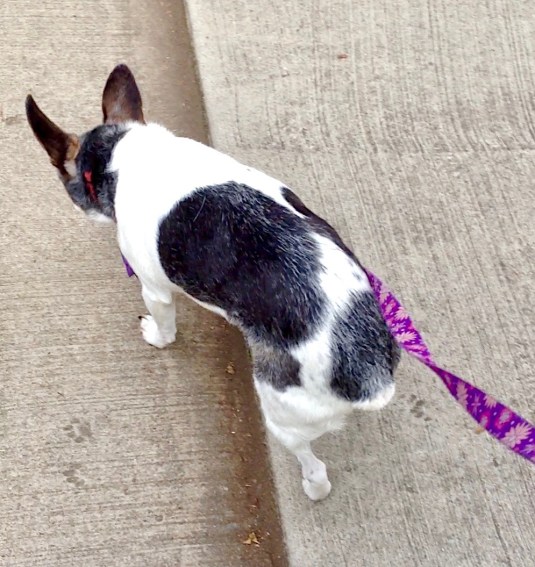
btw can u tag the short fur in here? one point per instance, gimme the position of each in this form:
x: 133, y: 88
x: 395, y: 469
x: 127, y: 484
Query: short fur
x: 193, y: 220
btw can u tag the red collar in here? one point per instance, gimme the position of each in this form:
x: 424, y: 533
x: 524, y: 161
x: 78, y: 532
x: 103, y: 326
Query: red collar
x: 88, y: 178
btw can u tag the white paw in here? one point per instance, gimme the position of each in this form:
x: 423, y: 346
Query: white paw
x: 315, y: 490
x: 152, y: 333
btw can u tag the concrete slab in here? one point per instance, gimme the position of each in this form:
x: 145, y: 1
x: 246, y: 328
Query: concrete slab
x: 409, y: 125
x: 111, y: 453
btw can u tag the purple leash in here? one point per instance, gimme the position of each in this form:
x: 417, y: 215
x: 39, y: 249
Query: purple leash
x: 504, y: 424
x: 128, y: 267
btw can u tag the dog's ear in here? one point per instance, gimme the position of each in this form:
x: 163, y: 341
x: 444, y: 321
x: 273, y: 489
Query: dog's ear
x: 121, y: 99
x: 61, y: 147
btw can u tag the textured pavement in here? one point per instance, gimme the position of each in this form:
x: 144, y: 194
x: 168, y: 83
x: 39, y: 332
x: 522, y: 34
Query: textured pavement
x: 407, y: 124
x: 410, y: 125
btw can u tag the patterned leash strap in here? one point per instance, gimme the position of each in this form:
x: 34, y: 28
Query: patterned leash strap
x: 504, y: 424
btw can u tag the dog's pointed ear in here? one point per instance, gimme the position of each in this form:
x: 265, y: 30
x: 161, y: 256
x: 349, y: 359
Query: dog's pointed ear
x: 61, y: 147
x: 121, y: 99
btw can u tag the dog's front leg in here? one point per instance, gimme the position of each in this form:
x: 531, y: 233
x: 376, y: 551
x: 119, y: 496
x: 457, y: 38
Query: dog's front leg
x: 159, y: 328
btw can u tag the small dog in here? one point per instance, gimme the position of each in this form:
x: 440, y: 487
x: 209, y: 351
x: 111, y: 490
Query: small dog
x: 240, y: 243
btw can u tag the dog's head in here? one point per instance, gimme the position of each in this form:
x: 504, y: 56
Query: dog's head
x: 82, y: 161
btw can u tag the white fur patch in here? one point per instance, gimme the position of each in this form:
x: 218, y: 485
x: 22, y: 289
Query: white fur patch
x: 301, y: 411
x: 98, y: 217
x: 341, y: 276
x: 153, y: 334
x: 70, y: 167
x: 380, y: 401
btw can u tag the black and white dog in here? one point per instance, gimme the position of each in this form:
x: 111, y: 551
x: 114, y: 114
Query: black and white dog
x: 239, y: 243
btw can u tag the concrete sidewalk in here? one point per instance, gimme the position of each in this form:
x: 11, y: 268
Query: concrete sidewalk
x: 410, y: 126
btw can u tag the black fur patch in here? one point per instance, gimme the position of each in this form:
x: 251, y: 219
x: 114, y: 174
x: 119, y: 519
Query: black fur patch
x: 233, y: 247
x: 317, y: 224
x: 364, y: 353
x: 95, y: 154
x: 277, y: 367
